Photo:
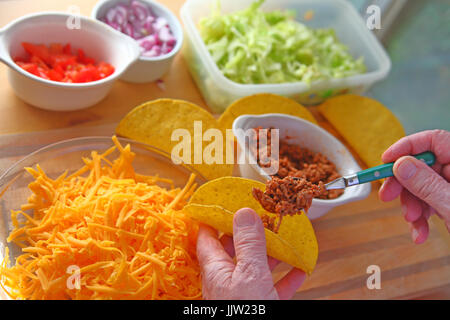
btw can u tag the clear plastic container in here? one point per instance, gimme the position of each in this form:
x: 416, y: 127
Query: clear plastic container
x: 219, y: 91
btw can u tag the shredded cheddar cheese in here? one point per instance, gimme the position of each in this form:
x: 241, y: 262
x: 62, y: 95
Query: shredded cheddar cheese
x: 103, y: 232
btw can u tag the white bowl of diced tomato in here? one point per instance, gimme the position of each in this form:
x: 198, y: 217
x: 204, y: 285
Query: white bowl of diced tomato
x: 63, y: 62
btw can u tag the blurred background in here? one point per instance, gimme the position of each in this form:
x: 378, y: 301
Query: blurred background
x: 416, y: 35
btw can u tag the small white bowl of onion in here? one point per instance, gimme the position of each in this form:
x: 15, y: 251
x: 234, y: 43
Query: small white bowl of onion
x: 154, y: 27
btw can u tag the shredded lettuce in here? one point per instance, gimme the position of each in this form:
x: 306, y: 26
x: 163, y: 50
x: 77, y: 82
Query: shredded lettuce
x: 253, y: 47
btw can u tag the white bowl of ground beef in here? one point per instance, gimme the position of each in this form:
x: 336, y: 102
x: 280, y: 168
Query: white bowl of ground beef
x: 307, y: 135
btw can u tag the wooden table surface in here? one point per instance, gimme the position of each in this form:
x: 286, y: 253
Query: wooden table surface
x: 351, y: 237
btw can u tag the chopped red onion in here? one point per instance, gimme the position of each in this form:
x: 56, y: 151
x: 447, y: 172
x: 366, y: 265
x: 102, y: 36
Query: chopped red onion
x: 128, y: 29
x: 138, y: 21
x: 110, y: 15
x: 139, y: 10
x: 116, y: 26
x: 160, y: 23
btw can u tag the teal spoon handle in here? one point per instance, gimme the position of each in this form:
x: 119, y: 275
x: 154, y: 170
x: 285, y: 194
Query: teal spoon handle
x: 385, y: 170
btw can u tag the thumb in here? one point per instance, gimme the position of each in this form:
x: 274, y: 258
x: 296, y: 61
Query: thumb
x: 424, y: 183
x: 249, y: 241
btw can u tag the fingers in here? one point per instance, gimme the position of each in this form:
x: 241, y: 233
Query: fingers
x: 427, y: 211
x: 446, y: 172
x: 290, y: 283
x: 436, y: 141
x: 424, y: 183
x: 411, y: 206
x: 210, y: 251
x: 215, y: 264
x: 249, y: 240
x: 227, y: 243
x: 390, y: 189
x: 419, y: 230
x: 272, y: 263
x: 417, y: 213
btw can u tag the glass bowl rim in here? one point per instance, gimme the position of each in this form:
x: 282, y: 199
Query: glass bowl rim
x: 79, y: 141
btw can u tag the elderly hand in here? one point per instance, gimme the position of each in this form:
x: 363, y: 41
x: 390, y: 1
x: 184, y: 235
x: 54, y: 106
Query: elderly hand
x: 423, y: 190
x: 249, y: 278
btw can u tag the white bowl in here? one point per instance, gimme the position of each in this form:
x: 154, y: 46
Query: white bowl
x: 304, y: 134
x: 96, y: 39
x: 147, y: 69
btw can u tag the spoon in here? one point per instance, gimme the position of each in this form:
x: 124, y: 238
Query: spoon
x: 375, y: 173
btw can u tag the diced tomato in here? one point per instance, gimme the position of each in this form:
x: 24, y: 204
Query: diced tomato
x: 57, y: 62
x: 105, y: 69
x: 30, y: 67
x: 55, y: 48
x: 38, y: 61
x: 63, y: 61
x: 83, y: 58
x: 40, y: 51
x: 43, y: 73
x: 87, y: 74
x: 55, y: 75
x: 20, y: 59
x: 59, y: 69
x: 67, y: 49
x: 70, y: 75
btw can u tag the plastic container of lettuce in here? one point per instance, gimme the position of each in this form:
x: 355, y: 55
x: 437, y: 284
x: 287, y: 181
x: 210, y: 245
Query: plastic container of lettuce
x: 351, y: 30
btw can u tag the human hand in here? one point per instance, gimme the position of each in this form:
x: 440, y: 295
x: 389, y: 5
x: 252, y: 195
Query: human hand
x: 250, y: 277
x: 423, y: 190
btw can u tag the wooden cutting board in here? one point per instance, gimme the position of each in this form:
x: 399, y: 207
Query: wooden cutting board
x: 351, y: 238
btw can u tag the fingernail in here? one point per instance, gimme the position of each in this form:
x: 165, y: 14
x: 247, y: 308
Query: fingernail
x: 404, y: 210
x: 245, y: 218
x: 406, y: 169
x: 415, y: 234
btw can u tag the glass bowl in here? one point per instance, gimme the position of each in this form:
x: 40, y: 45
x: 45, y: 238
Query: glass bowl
x: 54, y: 159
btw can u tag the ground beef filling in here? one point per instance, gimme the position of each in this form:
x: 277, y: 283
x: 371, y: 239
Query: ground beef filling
x: 287, y: 196
x: 301, y: 177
